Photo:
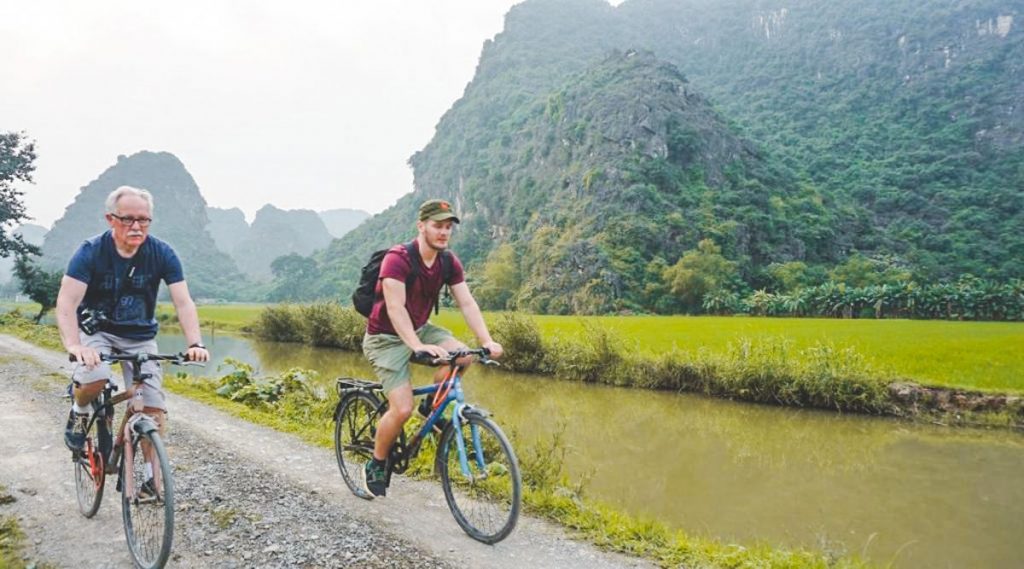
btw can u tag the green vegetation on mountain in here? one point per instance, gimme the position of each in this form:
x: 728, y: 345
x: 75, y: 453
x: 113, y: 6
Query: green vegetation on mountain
x: 910, y: 112
x: 179, y: 215
x: 879, y: 137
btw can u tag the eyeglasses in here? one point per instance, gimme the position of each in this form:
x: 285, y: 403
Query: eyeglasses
x: 130, y: 221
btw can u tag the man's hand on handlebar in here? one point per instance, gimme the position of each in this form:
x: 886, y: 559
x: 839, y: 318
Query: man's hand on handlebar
x: 435, y: 351
x: 197, y: 355
x: 84, y: 355
x: 495, y: 349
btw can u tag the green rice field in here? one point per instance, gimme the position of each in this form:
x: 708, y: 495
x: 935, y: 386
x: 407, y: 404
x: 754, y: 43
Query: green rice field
x: 987, y: 356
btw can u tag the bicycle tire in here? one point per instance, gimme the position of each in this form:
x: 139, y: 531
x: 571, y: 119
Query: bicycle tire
x: 148, y: 526
x: 355, y: 428
x: 90, y: 470
x: 487, y: 504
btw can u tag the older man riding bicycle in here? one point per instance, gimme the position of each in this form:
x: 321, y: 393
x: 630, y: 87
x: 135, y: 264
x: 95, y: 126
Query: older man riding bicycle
x: 107, y: 301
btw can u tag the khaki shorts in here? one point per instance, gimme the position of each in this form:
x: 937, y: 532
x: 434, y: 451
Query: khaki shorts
x: 389, y: 355
x: 152, y: 394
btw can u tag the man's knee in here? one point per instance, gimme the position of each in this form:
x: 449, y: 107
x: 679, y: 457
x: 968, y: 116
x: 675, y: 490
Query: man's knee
x: 86, y: 393
x: 402, y: 411
x: 400, y: 402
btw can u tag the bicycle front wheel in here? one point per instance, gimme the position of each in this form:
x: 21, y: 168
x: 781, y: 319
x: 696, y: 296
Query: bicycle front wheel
x: 355, y: 428
x: 90, y: 469
x: 482, y: 486
x: 147, y: 504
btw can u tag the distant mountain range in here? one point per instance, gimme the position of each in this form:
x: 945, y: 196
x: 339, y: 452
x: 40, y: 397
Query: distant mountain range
x: 223, y: 255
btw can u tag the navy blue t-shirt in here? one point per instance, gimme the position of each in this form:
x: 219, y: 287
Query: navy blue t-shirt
x: 134, y: 282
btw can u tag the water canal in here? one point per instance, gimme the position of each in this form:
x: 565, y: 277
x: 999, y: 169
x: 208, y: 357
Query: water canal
x: 913, y: 495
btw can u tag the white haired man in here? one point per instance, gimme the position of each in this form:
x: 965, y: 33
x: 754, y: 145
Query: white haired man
x: 117, y: 274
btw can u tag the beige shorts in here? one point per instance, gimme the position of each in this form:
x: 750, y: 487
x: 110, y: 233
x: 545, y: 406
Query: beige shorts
x: 152, y: 394
x: 389, y: 355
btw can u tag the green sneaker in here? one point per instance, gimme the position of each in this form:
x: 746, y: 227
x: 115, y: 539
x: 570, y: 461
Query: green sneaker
x: 374, y: 480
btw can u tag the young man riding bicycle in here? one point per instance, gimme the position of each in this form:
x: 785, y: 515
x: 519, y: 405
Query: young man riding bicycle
x: 107, y: 301
x: 398, y: 325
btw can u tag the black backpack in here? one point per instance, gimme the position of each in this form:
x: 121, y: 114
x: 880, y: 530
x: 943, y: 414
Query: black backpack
x: 366, y: 293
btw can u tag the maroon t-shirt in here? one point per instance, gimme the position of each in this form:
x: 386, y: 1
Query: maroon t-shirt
x: 419, y: 294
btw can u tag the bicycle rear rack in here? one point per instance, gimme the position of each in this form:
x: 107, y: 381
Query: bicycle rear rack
x: 346, y: 384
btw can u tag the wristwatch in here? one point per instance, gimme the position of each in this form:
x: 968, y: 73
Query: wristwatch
x: 198, y: 345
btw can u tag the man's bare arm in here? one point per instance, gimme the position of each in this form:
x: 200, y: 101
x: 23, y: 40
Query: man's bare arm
x: 474, y: 318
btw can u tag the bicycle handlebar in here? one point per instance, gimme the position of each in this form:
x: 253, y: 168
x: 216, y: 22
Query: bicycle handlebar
x: 176, y: 359
x: 426, y: 358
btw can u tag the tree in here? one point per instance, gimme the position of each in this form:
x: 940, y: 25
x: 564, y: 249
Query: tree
x: 500, y: 279
x: 294, y: 276
x: 791, y: 276
x: 40, y: 285
x: 861, y: 271
x: 698, y: 272
x: 17, y: 157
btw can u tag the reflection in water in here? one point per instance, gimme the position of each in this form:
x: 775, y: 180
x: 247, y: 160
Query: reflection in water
x: 953, y: 497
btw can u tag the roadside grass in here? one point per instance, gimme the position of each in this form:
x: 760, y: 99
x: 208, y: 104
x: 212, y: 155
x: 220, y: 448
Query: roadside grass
x: 19, y: 324
x: 12, y: 541
x: 287, y: 403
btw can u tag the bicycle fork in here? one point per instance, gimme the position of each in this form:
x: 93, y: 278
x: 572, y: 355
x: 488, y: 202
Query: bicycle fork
x: 133, y: 429
x: 460, y: 441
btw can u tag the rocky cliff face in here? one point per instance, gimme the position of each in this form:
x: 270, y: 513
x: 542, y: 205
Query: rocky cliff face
x: 341, y: 221
x: 276, y: 232
x: 179, y: 218
x: 228, y: 227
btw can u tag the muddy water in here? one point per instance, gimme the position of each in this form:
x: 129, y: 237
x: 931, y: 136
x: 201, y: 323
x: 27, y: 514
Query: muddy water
x: 912, y: 495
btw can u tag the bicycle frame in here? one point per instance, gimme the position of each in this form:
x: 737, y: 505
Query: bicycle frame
x: 455, y: 396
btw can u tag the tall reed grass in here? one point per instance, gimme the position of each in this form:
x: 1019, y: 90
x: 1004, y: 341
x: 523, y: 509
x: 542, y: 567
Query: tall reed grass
x: 323, y: 324
x: 772, y: 371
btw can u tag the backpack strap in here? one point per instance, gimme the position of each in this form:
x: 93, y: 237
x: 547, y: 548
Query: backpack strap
x: 414, y: 262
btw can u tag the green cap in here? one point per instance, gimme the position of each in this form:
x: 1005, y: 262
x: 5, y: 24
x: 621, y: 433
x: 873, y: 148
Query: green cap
x: 437, y: 210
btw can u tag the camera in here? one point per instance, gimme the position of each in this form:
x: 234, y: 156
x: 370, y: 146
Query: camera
x: 92, y: 319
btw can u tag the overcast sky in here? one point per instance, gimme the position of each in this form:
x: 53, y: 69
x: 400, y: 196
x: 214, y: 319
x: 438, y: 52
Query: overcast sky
x: 303, y: 104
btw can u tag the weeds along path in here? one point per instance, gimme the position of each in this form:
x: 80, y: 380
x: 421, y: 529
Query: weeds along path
x: 247, y: 496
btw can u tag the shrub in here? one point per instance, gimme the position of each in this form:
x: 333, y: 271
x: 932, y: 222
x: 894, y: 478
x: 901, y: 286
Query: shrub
x: 525, y: 350
x: 281, y: 323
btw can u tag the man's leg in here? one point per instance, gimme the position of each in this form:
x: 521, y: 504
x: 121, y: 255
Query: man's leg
x: 88, y: 384
x: 389, y: 357
x: 153, y: 399
x: 399, y: 411
x: 431, y: 334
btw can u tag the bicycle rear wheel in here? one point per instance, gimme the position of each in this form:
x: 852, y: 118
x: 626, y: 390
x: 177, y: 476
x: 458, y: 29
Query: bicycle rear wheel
x: 486, y: 502
x: 90, y: 469
x: 355, y: 428
x: 148, y: 515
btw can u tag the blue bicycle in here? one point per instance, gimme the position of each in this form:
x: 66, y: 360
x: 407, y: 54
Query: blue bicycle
x: 478, y: 468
